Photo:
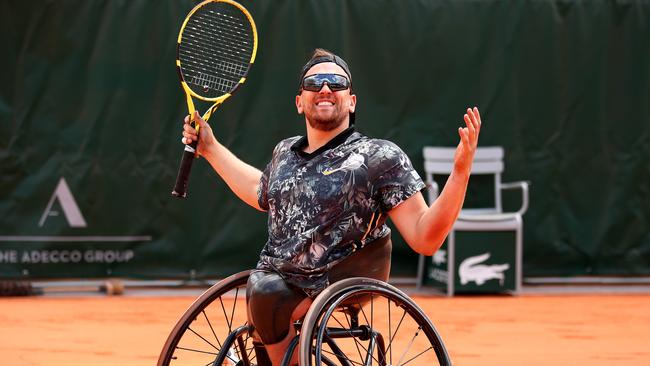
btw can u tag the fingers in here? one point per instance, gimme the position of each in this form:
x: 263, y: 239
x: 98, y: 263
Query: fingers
x: 199, y: 122
x: 476, y: 120
x: 196, y: 118
x: 464, y: 135
x: 195, y: 128
x: 473, y: 121
x: 190, y: 134
x: 470, y: 123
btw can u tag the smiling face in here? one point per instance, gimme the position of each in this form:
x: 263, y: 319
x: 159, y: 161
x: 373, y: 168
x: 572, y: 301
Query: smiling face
x: 326, y: 110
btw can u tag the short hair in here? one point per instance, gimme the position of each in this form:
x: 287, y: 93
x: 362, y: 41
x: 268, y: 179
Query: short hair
x: 321, y: 52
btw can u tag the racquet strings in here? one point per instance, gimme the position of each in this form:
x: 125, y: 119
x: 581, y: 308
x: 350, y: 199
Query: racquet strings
x: 216, y: 49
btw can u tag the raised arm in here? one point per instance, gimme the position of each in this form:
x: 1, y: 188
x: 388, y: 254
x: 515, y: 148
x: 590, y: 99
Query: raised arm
x: 425, y: 228
x: 243, y: 179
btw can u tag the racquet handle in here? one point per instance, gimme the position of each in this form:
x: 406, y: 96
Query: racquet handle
x: 180, y: 189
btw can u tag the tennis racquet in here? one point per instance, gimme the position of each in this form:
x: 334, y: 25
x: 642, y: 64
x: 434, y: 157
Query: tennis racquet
x: 217, y: 44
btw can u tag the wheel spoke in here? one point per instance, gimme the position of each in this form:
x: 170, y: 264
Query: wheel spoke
x: 367, y: 322
x: 250, y: 351
x: 203, y: 338
x: 230, y: 357
x: 234, y: 306
x: 353, y: 337
x: 418, y: 355
x: 409, y: 346
x: 361, y: 309
x: 356, y: 343
x: 211, y: 328
x: 223, y: 308
x: 198, y: 351
x: 392, y: 337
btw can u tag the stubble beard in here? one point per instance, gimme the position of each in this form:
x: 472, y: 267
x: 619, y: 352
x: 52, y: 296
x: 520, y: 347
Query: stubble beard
x: 327, y: 124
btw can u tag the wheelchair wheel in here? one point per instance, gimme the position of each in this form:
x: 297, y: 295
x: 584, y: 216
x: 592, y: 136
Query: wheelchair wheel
x: 362, y: 321
x: 214, y: 326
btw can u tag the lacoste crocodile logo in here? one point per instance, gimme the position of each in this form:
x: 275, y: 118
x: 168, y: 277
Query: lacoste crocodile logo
x: 471, y: 270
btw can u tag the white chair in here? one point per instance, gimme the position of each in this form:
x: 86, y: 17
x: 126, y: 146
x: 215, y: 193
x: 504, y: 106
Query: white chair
x: 487, y: 160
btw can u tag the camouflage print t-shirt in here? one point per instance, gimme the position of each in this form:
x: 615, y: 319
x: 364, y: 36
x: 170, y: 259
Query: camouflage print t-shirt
x: 325, y: 205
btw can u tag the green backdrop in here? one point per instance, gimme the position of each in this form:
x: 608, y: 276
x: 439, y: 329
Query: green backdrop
x: 91, y: 111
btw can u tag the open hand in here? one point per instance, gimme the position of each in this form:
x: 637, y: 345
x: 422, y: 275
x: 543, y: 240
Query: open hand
x: 468, y: 140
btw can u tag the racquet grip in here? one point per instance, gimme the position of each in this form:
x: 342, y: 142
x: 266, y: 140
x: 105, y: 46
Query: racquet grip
x: 180, y: 189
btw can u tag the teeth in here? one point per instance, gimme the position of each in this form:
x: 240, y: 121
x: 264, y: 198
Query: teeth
x: 325, y: 103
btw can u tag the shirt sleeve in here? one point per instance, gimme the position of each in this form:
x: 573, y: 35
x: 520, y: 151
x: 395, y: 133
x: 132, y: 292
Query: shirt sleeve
x: 398, y: 180
x: 263, y: 189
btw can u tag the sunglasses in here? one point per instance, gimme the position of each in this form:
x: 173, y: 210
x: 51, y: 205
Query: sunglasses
x: 315, y: 82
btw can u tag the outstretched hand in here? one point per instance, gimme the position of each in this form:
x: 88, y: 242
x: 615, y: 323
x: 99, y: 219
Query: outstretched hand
x: 468, y: 140
x: 204, y: 135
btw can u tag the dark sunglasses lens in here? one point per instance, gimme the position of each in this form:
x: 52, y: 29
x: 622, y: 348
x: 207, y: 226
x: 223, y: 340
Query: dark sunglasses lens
x: 335, y: 82
x: 312, y: 84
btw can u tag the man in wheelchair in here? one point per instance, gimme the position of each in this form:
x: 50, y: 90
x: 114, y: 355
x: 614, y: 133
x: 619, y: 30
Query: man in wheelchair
x: 328, y: 195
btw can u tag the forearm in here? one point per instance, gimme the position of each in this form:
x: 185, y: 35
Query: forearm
x: 243, y: 179
x: 436, y: 221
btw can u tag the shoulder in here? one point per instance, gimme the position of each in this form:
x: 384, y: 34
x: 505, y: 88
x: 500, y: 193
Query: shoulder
x: 285, y: 145
x: 384, y: 144
x: 383, y: 149
x: 384, y: 156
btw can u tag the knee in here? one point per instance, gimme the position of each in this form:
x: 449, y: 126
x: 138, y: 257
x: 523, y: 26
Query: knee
x: 262, y: 285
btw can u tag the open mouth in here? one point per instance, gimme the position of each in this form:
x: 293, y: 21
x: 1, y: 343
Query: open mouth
x: 325, y: 103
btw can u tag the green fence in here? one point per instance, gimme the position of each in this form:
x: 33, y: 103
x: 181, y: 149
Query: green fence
x: 91, y: 110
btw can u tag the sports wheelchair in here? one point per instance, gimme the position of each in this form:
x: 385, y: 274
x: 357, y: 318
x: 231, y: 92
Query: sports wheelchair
x: 356, y: 321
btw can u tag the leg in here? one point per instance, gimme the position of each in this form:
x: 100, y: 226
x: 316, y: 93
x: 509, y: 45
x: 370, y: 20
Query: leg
x: 273, y: 306
x: 277, y: 351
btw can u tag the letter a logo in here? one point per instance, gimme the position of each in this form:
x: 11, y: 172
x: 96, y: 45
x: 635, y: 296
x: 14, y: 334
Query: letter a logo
x: 68, y: 204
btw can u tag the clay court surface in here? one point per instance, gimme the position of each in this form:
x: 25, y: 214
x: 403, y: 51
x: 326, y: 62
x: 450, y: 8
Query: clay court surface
x: 545, y: 330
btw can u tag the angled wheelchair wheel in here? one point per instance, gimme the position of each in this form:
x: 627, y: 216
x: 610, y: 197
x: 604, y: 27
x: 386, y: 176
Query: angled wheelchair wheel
x: 362, y: 321
x: 214, y: 329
